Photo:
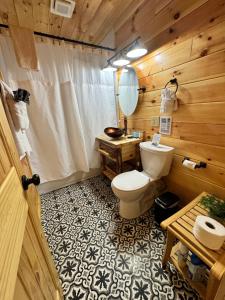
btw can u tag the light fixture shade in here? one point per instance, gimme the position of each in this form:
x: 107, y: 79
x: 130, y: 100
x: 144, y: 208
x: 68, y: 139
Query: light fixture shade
x: 109, y: 68
x: 121, y: 62
x: 137, y: 52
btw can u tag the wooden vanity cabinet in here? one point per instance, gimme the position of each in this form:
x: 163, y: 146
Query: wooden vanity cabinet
x: 116, y: 153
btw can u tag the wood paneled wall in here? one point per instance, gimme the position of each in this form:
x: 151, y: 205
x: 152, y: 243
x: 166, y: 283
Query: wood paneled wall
x: 160, y: 21
x: 198, y: 128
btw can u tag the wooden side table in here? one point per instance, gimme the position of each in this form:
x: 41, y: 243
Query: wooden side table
x: 179, y: 226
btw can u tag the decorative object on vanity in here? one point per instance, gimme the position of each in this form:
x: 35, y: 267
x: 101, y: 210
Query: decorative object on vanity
x: 114, y: 132
x: 116, y: 154
x: 165, y: 125
x: 215, y: 206
x: 136, y: 134
x: 180, y: 226
x: 137, y: 190
x: 209, y: 232
x: 128, y: 94
x: 168, y: 98
x: 193, y: 165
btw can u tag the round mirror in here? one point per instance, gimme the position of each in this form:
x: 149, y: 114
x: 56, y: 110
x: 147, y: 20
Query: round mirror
x: 128, y: 92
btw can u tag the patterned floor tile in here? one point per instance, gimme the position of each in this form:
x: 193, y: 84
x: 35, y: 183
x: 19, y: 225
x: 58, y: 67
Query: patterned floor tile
x: 100, y: 255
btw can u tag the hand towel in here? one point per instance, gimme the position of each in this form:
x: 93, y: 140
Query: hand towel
x: 168, y: 101
x: 18, y: 110
x: 20, y: 137
x: 24, y: 46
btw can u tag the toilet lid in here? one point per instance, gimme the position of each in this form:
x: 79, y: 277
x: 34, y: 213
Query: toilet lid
x: 130, y: 181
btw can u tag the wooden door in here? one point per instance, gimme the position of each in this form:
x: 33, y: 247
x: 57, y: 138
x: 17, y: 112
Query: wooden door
x: 27, y: 270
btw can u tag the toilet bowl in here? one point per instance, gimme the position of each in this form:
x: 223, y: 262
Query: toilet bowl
x: 137, y: 190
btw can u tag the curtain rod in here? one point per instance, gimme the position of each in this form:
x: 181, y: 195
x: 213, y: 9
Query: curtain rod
x: 66, y: 39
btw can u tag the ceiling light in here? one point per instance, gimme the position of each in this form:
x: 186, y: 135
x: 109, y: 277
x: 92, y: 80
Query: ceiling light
x: 129, y: 66
x: 138, y: 52
x: 124, y: 70
x: 121, y: 62
x: 109, y: 68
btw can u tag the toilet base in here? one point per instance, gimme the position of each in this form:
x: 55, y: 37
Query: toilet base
x: 134, y: 209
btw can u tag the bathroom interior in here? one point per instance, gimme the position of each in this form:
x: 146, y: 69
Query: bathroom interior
x: 112, y: 149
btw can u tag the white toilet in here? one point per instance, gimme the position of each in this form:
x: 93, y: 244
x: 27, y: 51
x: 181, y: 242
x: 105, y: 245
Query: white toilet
x: 137, y: 190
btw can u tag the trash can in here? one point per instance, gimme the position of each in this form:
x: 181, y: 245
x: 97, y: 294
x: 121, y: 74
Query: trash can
x: 165, y: 206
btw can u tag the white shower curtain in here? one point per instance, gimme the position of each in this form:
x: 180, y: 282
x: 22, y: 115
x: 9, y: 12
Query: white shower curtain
x: 72, y: 101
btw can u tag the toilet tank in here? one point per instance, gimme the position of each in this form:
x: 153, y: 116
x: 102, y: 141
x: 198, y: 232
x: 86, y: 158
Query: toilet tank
x: 156, y: 160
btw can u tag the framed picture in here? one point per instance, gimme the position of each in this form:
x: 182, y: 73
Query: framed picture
x: 165, y: 125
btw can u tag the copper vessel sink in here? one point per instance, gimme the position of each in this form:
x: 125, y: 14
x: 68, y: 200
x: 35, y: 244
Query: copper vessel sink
x: 114, y: 132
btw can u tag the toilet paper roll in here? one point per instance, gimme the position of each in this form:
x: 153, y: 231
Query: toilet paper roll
x: 189, y: 164
x: 209, y: 232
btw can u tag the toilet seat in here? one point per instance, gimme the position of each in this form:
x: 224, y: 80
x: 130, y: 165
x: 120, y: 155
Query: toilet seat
x: 130, y: 181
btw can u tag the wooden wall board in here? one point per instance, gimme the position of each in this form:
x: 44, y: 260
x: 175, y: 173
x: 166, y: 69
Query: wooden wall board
x: 174, y: 56
x: 212, y: 174
x: 211, y: 134
x: 199, y: 14
x: 197, y: 151
x: 208, y: 41
x: 206, y: 91
x: 204, y: 42
x: 210, y: 66
x: 165, y: 18
x: 187, y: 186
x: 198, y: 128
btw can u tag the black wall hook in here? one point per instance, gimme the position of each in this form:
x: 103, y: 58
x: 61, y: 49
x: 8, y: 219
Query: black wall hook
x: 142, y: 89
x: 173, y: 81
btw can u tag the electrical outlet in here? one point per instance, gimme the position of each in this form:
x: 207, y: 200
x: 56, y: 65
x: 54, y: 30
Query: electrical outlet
x: 155, y: 121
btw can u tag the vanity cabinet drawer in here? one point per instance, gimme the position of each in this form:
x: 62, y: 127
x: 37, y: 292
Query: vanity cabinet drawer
x: 111, y: 151
x: 128, y: 152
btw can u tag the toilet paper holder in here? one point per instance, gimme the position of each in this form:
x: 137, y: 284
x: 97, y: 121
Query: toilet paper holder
x: 199, y: 165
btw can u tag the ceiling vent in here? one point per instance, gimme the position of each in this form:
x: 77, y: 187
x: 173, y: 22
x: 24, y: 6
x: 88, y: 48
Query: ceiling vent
x: 62, y: 8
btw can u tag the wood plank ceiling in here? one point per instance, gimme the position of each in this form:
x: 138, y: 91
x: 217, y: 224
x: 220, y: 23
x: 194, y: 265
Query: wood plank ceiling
x: 91, y: 21
x: 156, y: 21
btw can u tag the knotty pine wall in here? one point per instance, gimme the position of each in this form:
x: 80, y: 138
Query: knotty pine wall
x: 198, y: 128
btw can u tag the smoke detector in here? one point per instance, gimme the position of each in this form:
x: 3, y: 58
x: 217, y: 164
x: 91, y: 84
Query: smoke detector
x: 62, y: 8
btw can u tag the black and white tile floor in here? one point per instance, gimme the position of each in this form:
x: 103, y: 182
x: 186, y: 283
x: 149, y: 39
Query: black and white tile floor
x: 99, y: 255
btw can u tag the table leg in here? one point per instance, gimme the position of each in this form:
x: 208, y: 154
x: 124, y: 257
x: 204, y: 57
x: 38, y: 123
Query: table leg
x: 214, y: 283
x: 170, y: 239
